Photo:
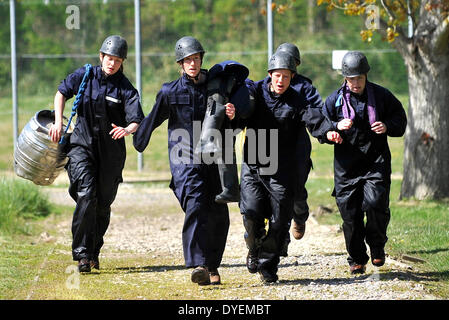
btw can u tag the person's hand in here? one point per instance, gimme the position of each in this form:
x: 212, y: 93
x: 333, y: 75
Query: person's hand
x: 230, y: 110
x: 118, y: 132
x: 334, y: 136
x: 344, y: 124
x: 379, y: 127
x: 55, y: 132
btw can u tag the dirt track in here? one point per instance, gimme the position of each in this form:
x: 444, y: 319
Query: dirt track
x: 148, y: 222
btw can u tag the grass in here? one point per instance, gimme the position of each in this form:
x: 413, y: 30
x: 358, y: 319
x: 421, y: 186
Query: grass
x: 421, y: 229
x: 22, y: 249
x: 20, y: 201
x: 19, y: 260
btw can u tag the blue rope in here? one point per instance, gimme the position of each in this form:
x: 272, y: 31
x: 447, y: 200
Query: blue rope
x: 77, y: 99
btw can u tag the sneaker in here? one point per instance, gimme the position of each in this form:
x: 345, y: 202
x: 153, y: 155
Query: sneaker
x: 298, y: 230
x: 84, y: 265
x: 200, y: 275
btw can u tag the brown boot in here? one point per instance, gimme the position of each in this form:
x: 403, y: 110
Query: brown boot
x: 84, y: 265
x: 200, y: 275
x: 379, y: 262
x: 298, y: 230
x: 357, y: 268
x: 214, y: 276
x: 95, y: 263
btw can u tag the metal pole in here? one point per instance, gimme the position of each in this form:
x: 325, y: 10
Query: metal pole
x: 12, y: 15
x: 270, y: 29
x: 138, y: 67
x: 410, y: 20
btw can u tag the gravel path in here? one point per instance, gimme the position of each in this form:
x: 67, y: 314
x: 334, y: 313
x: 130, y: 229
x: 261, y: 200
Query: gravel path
x: 316, y: 268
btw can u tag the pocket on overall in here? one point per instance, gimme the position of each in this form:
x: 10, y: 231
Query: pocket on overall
x: 182, y: 107
x: 284, y: 117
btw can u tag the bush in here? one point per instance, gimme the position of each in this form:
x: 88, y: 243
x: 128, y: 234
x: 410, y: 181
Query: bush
x: 20, y: 201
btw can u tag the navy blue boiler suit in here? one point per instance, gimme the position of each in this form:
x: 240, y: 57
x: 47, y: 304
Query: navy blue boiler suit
x: 271, y: 196
x: 194, y: 183
x: 304, y: 87
x: 96, y: 160
x: 362, y: 169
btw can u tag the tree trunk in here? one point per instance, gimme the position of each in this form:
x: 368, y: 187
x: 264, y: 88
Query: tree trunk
x: 426, y: 145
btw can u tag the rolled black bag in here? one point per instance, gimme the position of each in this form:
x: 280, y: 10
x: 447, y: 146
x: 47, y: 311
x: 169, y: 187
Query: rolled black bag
x: 224, y: 79
x: 218, y: 90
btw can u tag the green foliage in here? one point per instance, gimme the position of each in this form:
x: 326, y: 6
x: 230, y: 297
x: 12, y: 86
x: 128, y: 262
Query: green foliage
x: 20, y: 201
x: 228, y: 29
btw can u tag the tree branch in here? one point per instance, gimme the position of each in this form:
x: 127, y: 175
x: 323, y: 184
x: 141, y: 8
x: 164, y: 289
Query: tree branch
x: 387, y: 9
x: 440, y: 37
x: 400, y: 43
x: 398, y: 28
x: 408, y: 8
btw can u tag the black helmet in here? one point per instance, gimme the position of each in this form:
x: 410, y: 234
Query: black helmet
x: 186, y: 46
x: 354, y: 63
x: 115, y: 46
x: 290, y: 48
x: 282, y: 60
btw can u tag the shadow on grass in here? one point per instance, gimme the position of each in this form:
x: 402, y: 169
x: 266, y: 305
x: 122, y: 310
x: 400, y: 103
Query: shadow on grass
x: 437, y: 250
x: 385, y: 276
x: 164, y: 268
x: 145, y: 269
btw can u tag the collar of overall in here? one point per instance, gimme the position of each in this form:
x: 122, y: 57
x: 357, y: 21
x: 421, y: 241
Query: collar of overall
x: 344, y: 99
x: 200, y: 78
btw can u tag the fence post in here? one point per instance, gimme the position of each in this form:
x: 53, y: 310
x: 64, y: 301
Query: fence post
x: 270, y: 28
x: 138, y: 67
x: 12, y: 14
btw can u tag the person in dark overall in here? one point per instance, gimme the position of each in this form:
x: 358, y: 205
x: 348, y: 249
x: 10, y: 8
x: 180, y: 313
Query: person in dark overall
x: 364, y: 114
x: 267, y: 188
x: 109, y: 110
x: 303, y: 86
x: 194, y: 183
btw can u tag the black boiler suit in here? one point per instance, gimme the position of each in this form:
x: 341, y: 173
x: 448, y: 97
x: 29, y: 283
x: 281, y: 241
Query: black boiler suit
x: 96, y: 160
x: 271, y: 196
x: 362, y: 170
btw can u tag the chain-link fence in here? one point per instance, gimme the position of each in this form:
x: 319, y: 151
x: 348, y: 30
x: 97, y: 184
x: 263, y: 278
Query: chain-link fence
x: 55, y: 37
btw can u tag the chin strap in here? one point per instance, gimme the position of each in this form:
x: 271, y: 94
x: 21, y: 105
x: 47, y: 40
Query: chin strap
x: 200, y: 78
